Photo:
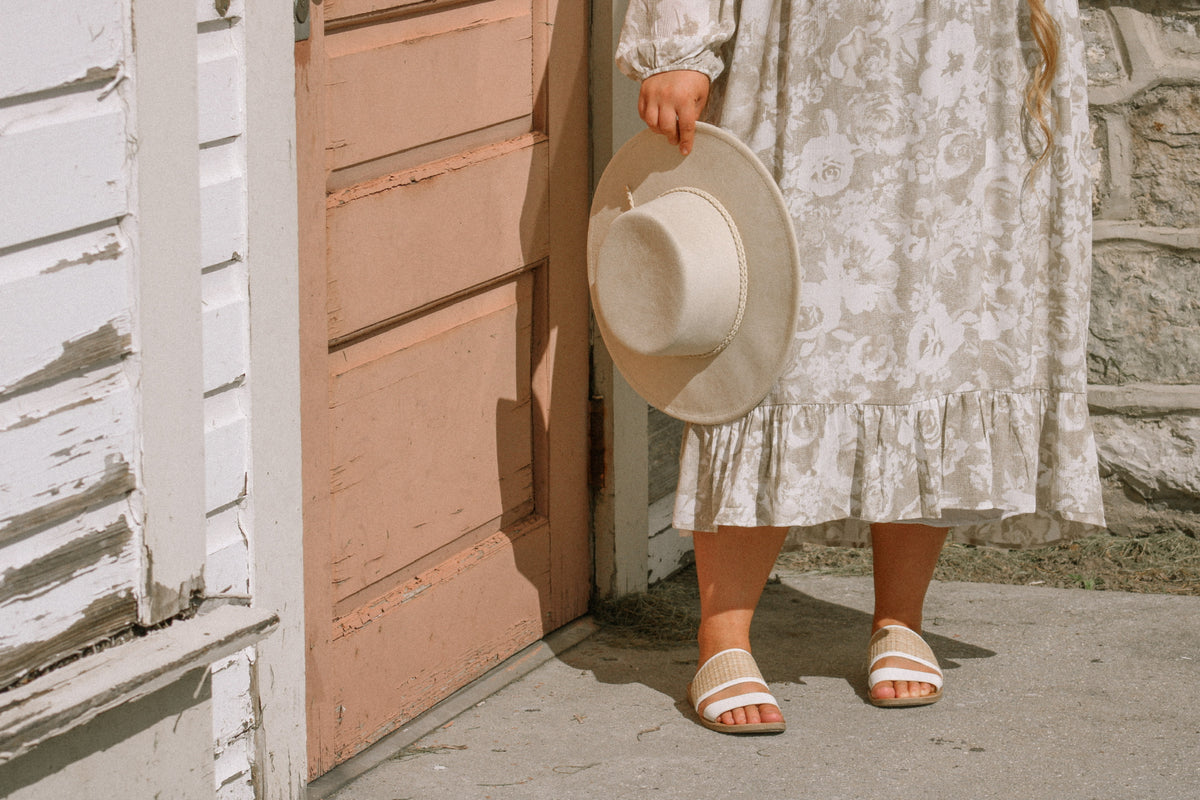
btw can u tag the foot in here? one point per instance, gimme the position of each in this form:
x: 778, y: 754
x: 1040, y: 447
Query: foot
x: 902, y: 687
x: 742, y: 715
x: 887, y: 690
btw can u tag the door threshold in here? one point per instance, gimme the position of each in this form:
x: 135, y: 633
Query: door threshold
x: 508, y: 671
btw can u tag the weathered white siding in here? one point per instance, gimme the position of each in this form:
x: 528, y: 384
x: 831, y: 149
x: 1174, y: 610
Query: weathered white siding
x: 221, y: 87
x: 70, y: 542
x: 234, y: 722
x: 126, y: 250
x: 221, y: 79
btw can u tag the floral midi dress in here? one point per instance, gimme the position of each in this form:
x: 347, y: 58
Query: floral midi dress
x: 938, y: 369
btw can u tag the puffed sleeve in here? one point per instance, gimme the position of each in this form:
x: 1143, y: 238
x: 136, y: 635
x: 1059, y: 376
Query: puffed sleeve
x: 661, y: 35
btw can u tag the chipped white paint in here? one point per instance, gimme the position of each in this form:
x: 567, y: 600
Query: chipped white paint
x: 221, y: 80
x: 63, y: 444
x: 70, y: 541
x: 63, y: 305
x: 125, y: 352
x: 84, y: 572
x: 233, y: 726
x: 54, y: 43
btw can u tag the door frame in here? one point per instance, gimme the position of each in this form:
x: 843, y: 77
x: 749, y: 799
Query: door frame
x: 621, y: 515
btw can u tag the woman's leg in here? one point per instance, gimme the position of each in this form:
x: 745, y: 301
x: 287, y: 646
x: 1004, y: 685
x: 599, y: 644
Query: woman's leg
x: 732, y: 567
x: 904, y: 558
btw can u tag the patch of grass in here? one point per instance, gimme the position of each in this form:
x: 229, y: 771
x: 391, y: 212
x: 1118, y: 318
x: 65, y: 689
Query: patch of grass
x: 1163, y: 563
x: 666, y: 616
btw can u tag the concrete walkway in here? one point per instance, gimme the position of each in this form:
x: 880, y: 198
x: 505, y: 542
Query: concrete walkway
x: 1050, y: 693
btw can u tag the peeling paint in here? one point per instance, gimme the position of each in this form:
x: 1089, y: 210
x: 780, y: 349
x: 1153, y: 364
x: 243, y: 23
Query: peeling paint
x: 102, y: 345
x: 57, y: 567
x: 116, y: 481
x: 102, y: 618
x: 110, y: 252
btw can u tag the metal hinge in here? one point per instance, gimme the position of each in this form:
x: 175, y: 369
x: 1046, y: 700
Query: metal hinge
x: 301, y: 14
x: 596, y: 442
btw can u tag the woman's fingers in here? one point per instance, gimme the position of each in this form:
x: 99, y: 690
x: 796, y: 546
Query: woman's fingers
x: 671, y: 102
x: 687, y: 134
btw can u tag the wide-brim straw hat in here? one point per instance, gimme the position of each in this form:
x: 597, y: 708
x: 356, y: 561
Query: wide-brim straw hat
x: 694, y: 274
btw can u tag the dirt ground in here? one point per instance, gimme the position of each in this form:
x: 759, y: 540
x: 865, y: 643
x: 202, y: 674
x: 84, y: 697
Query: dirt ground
x: 1161, y: 563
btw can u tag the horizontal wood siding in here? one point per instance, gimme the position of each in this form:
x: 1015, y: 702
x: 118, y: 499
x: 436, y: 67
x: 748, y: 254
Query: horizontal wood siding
x: 71, y: 585
x: 86, y: 43
x: 64, y: 306
x: 70, y: 533
x: 64, y: 161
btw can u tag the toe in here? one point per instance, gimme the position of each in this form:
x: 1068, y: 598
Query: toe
x: 884, y: 690
x: 770, y: 714
x: 887, y: 690
x: 743, y: 715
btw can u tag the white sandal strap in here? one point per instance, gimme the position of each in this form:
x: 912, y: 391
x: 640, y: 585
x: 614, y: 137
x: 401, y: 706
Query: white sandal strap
x: 719, y: 707
x: 899, y: 674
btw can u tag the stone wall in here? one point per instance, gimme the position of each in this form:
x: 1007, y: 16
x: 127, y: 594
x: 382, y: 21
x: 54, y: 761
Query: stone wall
x: 1144, y: 73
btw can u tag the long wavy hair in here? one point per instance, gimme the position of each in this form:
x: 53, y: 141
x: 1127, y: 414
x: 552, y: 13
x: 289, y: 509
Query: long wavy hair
x: 1037, y: 92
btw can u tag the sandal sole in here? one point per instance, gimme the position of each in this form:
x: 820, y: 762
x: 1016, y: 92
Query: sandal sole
x: 749, y: 728
x: 904, y: 702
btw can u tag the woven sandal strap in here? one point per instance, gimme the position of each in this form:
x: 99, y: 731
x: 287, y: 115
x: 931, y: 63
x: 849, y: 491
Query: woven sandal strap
x: 898, y: 674
x: 734, y: 665
x: 898, y: 640
x: 719, y: 707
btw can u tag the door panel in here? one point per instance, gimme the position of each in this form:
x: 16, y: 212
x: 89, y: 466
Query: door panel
x: 425, y: 233
x: 394, y: 653
x: 449, y: 74
x: 443, y: 194
x: 467, y: 463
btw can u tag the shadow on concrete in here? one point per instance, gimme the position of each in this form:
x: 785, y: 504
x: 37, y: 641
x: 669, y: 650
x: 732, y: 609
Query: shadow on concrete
x: 795, y: 637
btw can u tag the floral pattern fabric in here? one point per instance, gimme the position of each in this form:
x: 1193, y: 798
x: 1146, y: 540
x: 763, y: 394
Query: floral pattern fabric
x: 938, y: 371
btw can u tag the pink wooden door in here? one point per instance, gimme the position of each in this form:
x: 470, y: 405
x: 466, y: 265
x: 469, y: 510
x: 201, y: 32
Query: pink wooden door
x: 443, y: 193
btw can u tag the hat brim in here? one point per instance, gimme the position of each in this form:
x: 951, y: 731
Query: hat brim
x: 726, y: 386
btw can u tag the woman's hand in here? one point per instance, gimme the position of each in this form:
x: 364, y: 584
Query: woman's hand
x: 671, y: 102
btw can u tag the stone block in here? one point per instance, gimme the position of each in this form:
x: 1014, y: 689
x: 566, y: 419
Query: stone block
x: 1179, y: 33
x: 1105, y: 66
x: 1145, y: 316
x: 1154, y: 6
x: 1158, y: 458
x: 1166, y: 156
x: 1128, y: 514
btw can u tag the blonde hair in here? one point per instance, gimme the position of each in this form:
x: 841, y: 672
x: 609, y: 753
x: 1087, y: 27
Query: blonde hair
x: 1037, y: 91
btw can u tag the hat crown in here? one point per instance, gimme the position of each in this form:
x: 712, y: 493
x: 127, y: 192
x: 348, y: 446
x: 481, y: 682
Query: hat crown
x: 670, y: 277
